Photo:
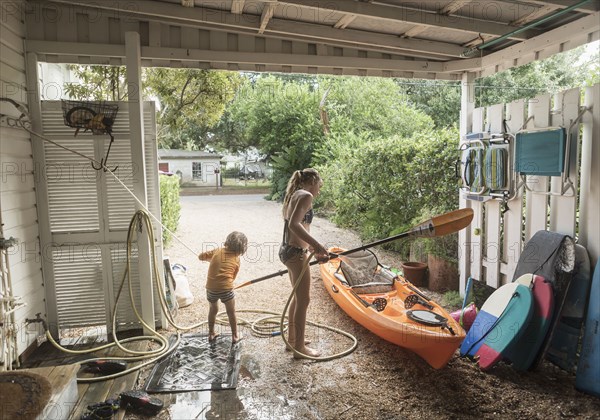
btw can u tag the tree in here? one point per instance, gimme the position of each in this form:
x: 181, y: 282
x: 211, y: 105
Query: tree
x: 98, y: 83
x: 437, y: 98
x: 231, y: 133
x: 280, y: 118
x: 191, y: 102
x: 441, y: 100
x: 370, y: 105
x: 592, y: 65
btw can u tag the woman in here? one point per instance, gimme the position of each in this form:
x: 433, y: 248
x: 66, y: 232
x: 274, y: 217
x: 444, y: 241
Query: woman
x: 302, y: 187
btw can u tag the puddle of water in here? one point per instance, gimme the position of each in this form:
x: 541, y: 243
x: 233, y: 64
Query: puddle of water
x: 224, y: 404
x: 262, y: 407
x: 249, y: 367
x: 245, y: 402
x: 232, y: 404
x: 190, y: 405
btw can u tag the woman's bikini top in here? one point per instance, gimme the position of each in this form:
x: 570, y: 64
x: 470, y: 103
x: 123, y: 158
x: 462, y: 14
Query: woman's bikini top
x: 308, y: 217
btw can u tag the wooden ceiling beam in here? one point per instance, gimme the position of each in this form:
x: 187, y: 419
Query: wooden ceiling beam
x: 413, y: 15
x: 534, y: 15
x: 266, y: 16
x: 344, y: 21
x: 453, y: 6
x: 446, y: 10
x: 201, y: 17
x: 237, y: 7
x: 591, y: 7
x: 185, y: 55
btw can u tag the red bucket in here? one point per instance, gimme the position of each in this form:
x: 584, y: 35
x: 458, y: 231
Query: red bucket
x: 469, y: 315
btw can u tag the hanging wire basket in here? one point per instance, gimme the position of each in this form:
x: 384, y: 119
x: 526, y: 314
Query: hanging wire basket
x: 97, y: 117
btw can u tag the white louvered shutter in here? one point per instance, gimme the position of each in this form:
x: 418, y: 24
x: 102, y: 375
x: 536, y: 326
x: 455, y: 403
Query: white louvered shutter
x: 90, y: 213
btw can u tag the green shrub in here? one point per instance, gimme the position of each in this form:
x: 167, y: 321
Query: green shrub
x: 380, y: 187
x: 452, y: 300
x: 169, y: 205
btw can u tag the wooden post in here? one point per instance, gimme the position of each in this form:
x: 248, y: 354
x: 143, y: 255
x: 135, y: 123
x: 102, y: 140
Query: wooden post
x: 467, y: 104
x: 41, y: 192
x: 589, y: 231
x: 136, y: 127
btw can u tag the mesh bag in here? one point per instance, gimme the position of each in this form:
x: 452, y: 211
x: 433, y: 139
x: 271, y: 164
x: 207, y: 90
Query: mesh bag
x: 364, y: 274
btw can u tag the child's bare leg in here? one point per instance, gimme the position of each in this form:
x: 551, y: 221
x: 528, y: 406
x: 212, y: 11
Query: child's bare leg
x: 212, y: 316
x: 230, y: 308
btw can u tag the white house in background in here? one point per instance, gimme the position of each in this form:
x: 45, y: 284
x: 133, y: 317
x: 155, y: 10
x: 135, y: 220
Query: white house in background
x: 251, y: 163
x: 194, y: 168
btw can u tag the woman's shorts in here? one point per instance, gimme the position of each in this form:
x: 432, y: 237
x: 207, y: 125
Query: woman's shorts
x: 224, y: 295
x: 287, y: 252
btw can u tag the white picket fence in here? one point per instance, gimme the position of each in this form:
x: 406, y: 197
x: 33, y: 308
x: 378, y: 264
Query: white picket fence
x: 492, y: 255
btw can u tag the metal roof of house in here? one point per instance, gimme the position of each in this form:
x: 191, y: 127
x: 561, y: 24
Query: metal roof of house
x: 423, y: 39
x: 185, y: 154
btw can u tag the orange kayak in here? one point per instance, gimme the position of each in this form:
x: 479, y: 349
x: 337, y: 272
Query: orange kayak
x: 396, y: 311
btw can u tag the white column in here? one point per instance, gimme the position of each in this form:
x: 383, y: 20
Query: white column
x: 467, y: 102
x: 589, y: 229
x: 136, y: 126
x: 41, y: 192
x: 467, y: 105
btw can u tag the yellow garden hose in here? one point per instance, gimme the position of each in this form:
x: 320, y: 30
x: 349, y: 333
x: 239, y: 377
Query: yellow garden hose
x: 262, y: 326
x: 327, y: 327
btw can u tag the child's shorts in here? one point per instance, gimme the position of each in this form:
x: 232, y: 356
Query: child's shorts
x: 224, y: 295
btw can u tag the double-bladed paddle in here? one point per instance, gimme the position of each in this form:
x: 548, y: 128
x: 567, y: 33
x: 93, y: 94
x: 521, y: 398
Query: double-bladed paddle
x: 441, y: 225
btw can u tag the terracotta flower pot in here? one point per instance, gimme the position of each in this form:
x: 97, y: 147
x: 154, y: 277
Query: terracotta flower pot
x: 415, y: 272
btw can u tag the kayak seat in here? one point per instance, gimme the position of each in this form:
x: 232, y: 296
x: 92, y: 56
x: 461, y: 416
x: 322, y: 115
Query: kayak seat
x: 366, y: 288
x: 374, y: 287
x: 341, y: 278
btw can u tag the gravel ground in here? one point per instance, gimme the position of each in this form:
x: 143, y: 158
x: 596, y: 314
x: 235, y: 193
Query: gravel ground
x: 378, y: 381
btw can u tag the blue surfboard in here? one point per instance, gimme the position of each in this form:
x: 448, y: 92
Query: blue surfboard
x: 588, y: 368
x: 567, y: 333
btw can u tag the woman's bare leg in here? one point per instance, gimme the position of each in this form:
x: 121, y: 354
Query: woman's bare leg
x: 297, y: 326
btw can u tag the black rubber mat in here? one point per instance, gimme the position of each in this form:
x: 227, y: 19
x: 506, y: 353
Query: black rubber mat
x: 197, y: 365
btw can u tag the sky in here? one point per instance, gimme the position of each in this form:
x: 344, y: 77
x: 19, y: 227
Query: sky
x: 590, y: 50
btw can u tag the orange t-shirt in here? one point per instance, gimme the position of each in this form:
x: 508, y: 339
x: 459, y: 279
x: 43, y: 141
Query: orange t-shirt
x: 224, y: 267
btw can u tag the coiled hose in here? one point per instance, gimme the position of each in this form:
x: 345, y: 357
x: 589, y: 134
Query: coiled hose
x: 263, y: 326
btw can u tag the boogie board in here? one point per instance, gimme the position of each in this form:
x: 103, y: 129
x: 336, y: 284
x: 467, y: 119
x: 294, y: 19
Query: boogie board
x: 588, y: 368
x: 500, y: 322
x: 523, y: 352
x: 565, y: 340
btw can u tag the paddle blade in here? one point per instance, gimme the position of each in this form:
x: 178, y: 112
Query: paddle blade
x: 239, y: 286
x: 445, y: 224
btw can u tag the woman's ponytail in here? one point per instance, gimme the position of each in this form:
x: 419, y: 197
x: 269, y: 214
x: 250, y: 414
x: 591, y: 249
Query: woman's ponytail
x: 299, y: 178
x: 293, y: 184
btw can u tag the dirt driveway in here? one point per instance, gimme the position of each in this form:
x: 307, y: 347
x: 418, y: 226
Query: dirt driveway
x: 378, y: 381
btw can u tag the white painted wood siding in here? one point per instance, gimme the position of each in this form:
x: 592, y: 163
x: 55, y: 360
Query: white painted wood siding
x: 493, y: 255
x: 17, y: 194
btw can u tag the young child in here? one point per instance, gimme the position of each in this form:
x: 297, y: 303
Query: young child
x: 224, y: 267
